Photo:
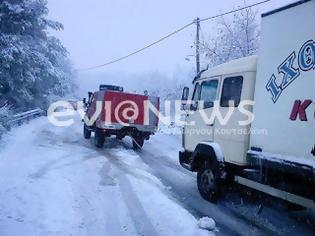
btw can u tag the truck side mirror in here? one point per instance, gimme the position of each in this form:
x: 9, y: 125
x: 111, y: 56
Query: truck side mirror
x: 185, y: 94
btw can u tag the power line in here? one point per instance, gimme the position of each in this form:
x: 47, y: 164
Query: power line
x: 171, y: 34
x: 234, y: 11
x: 142, y: 49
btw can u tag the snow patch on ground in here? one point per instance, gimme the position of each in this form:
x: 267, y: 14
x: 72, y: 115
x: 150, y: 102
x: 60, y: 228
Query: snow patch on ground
x: 163, y: 215
x: 207, y: 223
x: 53, y: 182
x: 159, y: 207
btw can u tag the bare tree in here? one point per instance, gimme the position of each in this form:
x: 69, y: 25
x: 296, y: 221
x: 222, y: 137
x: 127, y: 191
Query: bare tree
x: 237, y: 37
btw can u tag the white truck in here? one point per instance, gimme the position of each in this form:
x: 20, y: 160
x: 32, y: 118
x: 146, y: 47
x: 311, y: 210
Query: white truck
x: 267, y: 144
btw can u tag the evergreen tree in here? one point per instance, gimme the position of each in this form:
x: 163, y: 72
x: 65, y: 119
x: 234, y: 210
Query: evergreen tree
x: 33, y: 65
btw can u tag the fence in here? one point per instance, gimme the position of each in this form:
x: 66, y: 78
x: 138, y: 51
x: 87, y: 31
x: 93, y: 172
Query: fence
x: 23, y: 117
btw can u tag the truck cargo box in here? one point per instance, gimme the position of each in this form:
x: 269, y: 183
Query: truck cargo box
x: 285, y: 86
x: 121, y: 101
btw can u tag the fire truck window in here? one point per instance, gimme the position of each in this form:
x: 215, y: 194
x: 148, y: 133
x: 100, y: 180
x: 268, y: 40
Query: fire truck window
x: 232, y: 91
x: 209, y: 93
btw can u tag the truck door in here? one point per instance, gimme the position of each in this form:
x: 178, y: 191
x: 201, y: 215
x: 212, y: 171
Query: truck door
x: 205, y: 93
x: 232, y: 137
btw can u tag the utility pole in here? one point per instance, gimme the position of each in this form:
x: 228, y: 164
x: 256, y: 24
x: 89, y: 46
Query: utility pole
x: 198, y: 46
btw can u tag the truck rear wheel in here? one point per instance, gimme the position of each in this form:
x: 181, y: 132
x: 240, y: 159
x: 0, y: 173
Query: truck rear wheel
x: 86, y: 132
x: 99, y: 138
x: 208, y: 182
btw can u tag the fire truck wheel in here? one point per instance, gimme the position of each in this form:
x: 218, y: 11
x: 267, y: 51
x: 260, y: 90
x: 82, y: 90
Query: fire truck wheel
x: 208, y: 181
x: 86, y: 132
x: 137, y: 143
x: 99, y: 138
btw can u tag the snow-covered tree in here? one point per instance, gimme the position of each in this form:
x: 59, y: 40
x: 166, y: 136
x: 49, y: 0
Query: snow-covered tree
x: 4, y: 117
x: 33, y: 64
x: 236, y: 37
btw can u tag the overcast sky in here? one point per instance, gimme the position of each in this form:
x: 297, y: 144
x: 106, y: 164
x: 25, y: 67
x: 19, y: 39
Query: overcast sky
x: 97, y: 31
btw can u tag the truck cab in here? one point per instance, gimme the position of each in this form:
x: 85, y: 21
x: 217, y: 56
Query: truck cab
x: 216, y: 136
x: 223, y: 88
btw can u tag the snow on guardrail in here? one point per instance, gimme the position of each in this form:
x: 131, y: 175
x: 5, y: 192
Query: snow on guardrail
x: 23, y: 117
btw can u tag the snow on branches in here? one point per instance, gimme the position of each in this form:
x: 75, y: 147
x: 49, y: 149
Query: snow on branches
x: 33, y: 64
x: 5, y: 114
x: 236, y: 37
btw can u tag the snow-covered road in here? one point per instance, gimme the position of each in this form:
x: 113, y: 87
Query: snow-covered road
x: 54, y: 182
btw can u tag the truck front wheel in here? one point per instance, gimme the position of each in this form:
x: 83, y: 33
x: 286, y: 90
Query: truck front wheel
x: 99, y: 138
x: 208, y: 183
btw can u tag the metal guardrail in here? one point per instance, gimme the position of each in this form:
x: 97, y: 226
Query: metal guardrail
x: 20, y: 118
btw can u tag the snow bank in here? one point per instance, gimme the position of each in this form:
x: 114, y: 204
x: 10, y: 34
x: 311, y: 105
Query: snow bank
x: 207, y: 223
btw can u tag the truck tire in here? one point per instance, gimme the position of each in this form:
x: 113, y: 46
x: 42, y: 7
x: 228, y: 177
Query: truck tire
x: 86, y: 132
x: 208, y: 181
x: 137, y: 143
x: 99, y: 138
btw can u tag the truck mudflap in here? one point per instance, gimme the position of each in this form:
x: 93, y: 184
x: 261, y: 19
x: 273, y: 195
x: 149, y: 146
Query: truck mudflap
x: 301, y: 167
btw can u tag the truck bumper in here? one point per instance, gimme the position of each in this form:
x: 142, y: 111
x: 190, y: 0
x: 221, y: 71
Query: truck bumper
x: 117, y: 126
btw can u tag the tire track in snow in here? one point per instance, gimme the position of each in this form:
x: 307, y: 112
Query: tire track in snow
x: 138, y: 214
x: 198, y: 206
x: 125, y: 168
x: 131, y: 199
x: 136, y: 210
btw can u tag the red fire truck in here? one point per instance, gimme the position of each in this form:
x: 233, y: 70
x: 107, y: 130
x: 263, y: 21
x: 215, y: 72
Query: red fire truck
x: 111, y: 111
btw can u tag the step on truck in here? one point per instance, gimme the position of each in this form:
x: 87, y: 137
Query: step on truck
x: 113, y: 112
x: 268, y: 141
